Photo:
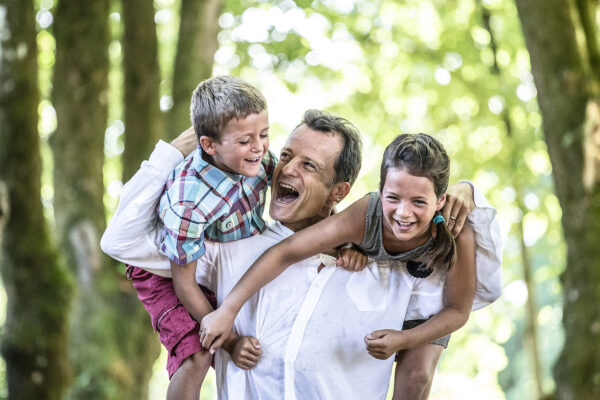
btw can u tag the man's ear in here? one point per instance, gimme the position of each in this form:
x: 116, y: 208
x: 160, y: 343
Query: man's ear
x: 339, y: 192
x: 208, y: 145
x: 441, y: 202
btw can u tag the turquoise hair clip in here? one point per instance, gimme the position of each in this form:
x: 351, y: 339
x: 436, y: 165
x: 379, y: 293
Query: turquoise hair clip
x: 438, y: 218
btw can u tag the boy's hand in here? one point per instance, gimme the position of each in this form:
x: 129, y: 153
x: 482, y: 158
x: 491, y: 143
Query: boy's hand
x: 186, y: 142
x: 245, y: 351
x: 351, y: 258
x: 459, y: 204
x: 215, y: 328
x: 384, y: 343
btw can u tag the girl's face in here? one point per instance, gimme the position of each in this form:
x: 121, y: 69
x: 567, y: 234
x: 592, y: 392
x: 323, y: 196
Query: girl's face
x: 409, y: 204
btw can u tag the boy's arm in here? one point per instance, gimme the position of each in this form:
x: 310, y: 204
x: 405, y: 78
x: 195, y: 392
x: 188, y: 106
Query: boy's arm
x: 188, y: 291
x: 458, y: 299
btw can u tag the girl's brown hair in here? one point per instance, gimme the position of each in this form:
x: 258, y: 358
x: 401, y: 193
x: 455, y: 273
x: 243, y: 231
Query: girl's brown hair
x: 423, y: 155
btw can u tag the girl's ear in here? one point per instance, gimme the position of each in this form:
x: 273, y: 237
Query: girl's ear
x: 208, y: 145
x: 441, y: 202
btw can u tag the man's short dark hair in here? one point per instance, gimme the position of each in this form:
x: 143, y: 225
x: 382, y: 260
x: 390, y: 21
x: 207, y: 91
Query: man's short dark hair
x: 347, y: 165
x: 218, y: 100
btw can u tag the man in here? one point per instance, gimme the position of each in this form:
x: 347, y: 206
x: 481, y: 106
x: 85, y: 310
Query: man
x: 311, y: 320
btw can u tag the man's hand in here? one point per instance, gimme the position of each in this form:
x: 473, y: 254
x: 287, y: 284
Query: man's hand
x: 245, y: 351
x: 186, y: 142
x: 215, y: 328
x: 351, y: 258
x: 384, y: 343
x: 459, y: 204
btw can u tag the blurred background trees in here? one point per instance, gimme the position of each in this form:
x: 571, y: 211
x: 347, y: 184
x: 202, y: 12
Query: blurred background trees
x: 87, y: 88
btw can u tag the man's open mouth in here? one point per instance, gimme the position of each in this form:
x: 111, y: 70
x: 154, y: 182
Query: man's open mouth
x: 286, y: 193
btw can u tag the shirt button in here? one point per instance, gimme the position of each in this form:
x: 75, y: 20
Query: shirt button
x: 229, y: 225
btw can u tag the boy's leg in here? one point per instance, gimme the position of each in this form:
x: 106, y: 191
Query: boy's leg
x: 415, y: 367
x: 178, y: 332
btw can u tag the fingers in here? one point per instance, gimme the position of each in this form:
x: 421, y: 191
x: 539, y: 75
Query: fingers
x: 206, y: 339
x: 380, y: 355
x: 217, y: 342
x: 461, y: 217
x: 255, y: 346
x: 453, y: 213
x: 351, y: 259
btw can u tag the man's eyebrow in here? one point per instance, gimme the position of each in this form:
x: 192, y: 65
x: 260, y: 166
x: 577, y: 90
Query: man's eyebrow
x: 317, y: 163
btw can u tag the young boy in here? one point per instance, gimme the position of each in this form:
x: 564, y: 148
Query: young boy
x: 217, y: 193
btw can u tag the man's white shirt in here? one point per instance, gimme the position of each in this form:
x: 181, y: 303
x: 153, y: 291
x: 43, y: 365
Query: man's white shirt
x: 310, y: 324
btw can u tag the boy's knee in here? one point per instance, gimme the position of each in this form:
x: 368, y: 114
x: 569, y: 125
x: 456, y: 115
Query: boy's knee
x: 200, y: 360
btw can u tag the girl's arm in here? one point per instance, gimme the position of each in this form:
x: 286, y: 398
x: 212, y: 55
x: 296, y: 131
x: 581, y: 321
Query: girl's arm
x: 458, y: 300
x: 347, y: 226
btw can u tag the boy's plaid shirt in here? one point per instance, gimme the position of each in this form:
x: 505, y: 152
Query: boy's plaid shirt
x: 201, y: 200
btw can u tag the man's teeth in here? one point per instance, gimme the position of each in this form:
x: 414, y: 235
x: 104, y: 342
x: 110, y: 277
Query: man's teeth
x: 289, y: 187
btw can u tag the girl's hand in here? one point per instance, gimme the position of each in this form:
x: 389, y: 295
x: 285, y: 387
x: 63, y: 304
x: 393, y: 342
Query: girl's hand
x: 245, y: 352
x: 215, y: 328
x: 351, y: 258
x: 384, y: 343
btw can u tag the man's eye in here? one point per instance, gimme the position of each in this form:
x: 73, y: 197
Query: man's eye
x: 309, y: 165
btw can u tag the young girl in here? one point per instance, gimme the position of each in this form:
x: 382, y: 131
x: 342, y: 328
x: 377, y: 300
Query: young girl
x: 401, y: 223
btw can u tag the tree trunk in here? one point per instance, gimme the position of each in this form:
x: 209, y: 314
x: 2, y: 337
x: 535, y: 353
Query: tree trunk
x: 80, y: 99
x: 563, y: 96
x: 38, y: 288
x: 195, y: 55
x: 143, y: 127
x: 143, y: 118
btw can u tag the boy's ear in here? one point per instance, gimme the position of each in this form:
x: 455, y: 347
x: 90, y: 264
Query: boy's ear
x: 441, y: 202
x: 339, y: 191
x: 208, y: 145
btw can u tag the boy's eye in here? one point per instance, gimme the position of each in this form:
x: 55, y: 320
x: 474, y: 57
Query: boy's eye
x: 244, y: 141
x: 264, y: 135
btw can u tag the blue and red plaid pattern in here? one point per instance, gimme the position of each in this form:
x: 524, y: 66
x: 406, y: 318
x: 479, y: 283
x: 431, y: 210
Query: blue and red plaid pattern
x: 201, y: 200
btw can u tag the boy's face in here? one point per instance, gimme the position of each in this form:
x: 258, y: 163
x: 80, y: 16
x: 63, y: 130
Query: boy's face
x: 244, y: 142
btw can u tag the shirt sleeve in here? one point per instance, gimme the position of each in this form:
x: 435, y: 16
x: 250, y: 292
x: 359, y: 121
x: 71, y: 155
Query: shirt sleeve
x: 183, y: 239
x: 488, y: 250
x: 269, y: 161
x: 131, y: 236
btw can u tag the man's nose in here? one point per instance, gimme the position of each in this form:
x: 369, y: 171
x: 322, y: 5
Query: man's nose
x: 291, y: 167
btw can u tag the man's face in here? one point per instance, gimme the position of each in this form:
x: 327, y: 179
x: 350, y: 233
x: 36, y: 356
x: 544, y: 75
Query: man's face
x: 302, y: 180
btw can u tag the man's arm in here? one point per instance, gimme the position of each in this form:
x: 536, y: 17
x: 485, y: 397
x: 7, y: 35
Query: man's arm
x: 131, y: 236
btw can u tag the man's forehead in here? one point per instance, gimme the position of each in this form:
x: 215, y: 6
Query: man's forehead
x: 316, y: 142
